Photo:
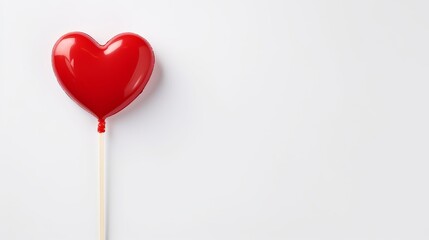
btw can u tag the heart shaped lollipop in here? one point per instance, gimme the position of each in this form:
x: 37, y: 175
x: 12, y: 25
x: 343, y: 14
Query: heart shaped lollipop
x: 102, y: 79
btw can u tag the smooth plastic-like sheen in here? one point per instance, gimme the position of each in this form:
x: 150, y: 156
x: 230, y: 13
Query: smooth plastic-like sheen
x: 102, y: 79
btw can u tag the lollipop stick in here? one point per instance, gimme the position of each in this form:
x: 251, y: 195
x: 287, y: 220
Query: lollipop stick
x: 102, y: 185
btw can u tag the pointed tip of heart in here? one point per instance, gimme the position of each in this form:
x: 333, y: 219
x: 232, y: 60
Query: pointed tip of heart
x: 101, y: 125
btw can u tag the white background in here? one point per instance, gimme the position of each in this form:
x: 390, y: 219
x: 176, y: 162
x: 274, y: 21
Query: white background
x: 264, y: 120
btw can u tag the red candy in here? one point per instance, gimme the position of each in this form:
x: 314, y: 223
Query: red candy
x: 102, y: 79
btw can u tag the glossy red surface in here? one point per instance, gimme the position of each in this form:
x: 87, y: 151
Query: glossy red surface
x: 102, y: 79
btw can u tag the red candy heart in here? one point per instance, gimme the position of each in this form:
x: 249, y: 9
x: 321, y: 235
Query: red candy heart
x: 102, y: 79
